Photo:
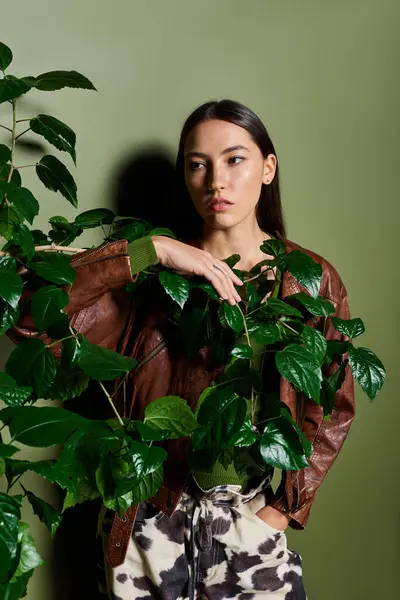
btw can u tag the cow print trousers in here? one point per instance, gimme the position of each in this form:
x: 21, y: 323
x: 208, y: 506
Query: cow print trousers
x: 213, y: 547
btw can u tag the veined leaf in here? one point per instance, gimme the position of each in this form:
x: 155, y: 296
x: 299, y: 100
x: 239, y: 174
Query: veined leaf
x: 46, y: 304
x: 22, y: 237
x: 31, y: 363
x: 23, y: 200
x: 315, y: 342
x: 56, y: 177
x: 10, y: 514
x: 54, y: 267
x: 175, y: 285
x: 299, y: 366
x: 305, y: 270
x: 263, y: 332
x: 11, y: 88
x: 233, y: 316
x: 351, y: 328
x: 242, y: 351
x: 321, y: 307
x: 170, y: 414
x: 56, y: 133
x: 367, y: 369
x: 279, y: 307
x: 245, y: 436
x: 273, y: 247
x: 12, y: 394
x: 46, y: 513
x: 29, y: 557
x: 130, y: 232
x: 252, y: 296
x: 103, y: 364
x: 10, y: 287
x: 5, y: 56
x: 232, y: 260
x: 94, y: 218
x: 56, y: 80
x: 8, y: 316
x: 280, y: 446
x: 330, y: 385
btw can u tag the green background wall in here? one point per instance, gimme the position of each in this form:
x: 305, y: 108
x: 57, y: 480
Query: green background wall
x: 323, y: 76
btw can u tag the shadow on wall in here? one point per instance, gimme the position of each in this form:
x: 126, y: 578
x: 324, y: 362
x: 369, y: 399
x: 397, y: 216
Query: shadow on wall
x: 143, y: 186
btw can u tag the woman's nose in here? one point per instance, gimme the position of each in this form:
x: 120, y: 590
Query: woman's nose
x: 216, y: 179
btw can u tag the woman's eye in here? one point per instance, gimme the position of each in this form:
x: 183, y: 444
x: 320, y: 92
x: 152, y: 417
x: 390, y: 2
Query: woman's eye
x: 236, y: 158
x: 195, y: 166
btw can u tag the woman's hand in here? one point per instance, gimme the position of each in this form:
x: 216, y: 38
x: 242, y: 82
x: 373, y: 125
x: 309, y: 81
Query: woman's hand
x: 273, y: 517
x: 187, y: 260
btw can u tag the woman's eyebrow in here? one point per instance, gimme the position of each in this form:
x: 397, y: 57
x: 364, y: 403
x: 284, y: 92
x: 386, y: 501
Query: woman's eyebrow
x: 226, y: 151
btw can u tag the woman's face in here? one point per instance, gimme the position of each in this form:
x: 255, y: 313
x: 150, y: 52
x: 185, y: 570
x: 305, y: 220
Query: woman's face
x: 224, y: 172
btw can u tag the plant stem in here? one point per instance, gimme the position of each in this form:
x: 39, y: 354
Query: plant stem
x: 288, y: 327
x: 14, y: 109
x: 51, y: 248
x: 19, y: 135
x: 24, y: 166
x: 111, y: 404
x: 61, y: 340
x: 8, y: 128
x: 252, y: 401
x: 22, y: 120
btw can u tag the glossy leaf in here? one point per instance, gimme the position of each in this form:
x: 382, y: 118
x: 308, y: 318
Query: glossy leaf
x: 263, y: 332
x: 170, y: 413
x: 351, y: 328
x: 55, y: 176
x: 279, y: 307
x: 280, y: 446
x: 299, y: 366
x: 12, y: 394
x: 41, y: 426
x: 220, y: 417
x: 232, y: 260
x: 330, y: 385
x: 103, y: 364
x: 31, y: 363
x: 71, y: 352
x: 56, y: 80
x: 46, y: 305
x: 146, y: 460
x: 367, y: 369
x: 94, y: 218
x: 305, y: 270
x: 148, y: 486
x: 315, y: 342
x: 242, y: 351
x: 320, y: 306
x: 8, y: 316
x: 335, y: 350
x: 252, y: 296
x: 9, y: 218
x: 10, y: 514
x: 54, y: 267
x: 245, y: 436
x: 5, y: 56
x: 175, y: 285
x: 68, y: 384
x: 56, y: 133
x: 232, y: 316
x: 12, y: 88
x: 148, y: 433
x: 49, y: 469
x: 10, y: 286
x: 273, y: 247
x: 22, y: 237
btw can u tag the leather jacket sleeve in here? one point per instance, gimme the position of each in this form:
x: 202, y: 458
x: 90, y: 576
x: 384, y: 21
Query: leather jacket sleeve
x: 97, y: 305
x: 296, y: 492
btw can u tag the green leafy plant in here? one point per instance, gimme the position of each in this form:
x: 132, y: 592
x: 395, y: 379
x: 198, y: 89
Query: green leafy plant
x: 121, y: 460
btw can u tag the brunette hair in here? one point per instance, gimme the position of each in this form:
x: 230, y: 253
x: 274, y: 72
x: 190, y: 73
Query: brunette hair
x: 269, y: 208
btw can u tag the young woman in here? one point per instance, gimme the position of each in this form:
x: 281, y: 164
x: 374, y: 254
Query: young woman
x: 215, y: 535
x: 218, y: 535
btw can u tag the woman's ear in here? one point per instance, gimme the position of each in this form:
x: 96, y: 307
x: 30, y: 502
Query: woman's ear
x: 269, y: 168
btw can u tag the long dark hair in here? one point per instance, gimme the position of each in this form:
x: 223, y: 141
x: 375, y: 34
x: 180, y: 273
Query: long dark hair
x: 269, y: 208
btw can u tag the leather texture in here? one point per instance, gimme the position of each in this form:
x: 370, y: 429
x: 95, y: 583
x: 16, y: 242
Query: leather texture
x: 102, y: 310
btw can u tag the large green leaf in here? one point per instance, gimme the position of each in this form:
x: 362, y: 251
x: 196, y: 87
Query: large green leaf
x: 220, y: 417
x: 23, y: 200
x: 9, y: 218
x: 245, y: 436
x: 232, y: 260
x: 46, y: 305
x: 280, y: 446
x: 145, y: 461
x: 329, y: 387
x: 299, y: 366
x: 51, y: 470
x: 8, y: 316
x: 148, y: 486
x: 56, y: 80
x: 131, y: 231
x: 10, y: 513
x: 94, y: 218
x: 352, y: 328
x: 44, y: 511
x: 273, y: 247
x: 11, y: 393
x: 56, y: 177
x: 42, y: 426
x: 10, y: 286
x: 175, y: 285
x: 68, y: 383
x: 71, y: 351
x: 5, y: 157
x: 320, y: 306
x: 315, y: 342
x: 29, y: 558
x: 252, y: 296
x: 12, y: 87
x: 31, y: 363
x: 242, y: 351
x: 170, y: 414
x: 367, y: 369
x: 262, y: 331
x: 17, y: 588
x: 305, y: 270
x: 279, y: 307
x: 103, y: 364
x: 233, y: 316
x: 56, y: 132
x: 54, y: 267
x: 22, y: 237
x: 5, y: 56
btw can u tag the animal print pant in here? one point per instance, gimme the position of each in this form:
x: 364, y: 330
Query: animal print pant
x: 213, y: 547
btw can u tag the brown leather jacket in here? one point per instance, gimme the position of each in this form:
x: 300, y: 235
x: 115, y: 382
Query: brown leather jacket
x: 101, y: 309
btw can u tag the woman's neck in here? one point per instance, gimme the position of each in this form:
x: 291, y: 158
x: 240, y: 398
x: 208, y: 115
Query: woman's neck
x: 244, y: 239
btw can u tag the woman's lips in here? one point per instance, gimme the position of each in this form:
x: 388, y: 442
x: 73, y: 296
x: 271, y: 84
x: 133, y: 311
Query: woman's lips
x: 220, y: 205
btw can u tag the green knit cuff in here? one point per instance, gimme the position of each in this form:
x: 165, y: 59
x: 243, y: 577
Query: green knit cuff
x: 142, y: 254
